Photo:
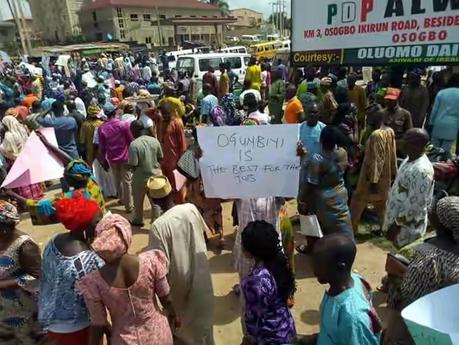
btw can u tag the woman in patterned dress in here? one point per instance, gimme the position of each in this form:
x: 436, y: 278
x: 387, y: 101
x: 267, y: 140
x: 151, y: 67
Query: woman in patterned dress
x: 66, y: 259
x: 435, y: 265
x: 267, y: 288
x: 127, y: 286
x: 19, y: 270
x: 325, y: 190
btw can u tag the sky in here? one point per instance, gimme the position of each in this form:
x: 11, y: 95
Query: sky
x: 258, y: 5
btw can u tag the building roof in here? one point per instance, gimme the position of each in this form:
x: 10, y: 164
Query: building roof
x: 245, y: 9
x: 191, y: 4
x: 6, y: 24
x: 5, y: 13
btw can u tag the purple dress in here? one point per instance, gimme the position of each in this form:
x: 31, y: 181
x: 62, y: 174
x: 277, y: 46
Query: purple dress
x: 267, y: 317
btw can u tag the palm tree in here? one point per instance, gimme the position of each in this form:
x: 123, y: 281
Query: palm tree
x: 222, y: 5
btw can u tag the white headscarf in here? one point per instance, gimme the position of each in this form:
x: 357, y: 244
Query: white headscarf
x: 15, y: 137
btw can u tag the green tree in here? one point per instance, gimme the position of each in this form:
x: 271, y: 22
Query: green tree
x: 222, y: 5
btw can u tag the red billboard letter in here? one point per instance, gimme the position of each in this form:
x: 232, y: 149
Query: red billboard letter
x: 367, y: 7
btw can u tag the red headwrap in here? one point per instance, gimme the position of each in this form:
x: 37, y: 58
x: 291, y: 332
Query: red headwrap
x: 76, y: 213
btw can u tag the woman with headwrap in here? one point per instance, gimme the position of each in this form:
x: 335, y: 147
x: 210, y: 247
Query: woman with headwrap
x: 78, y: 175
x: 87, y: 132
x: 19, y: 272
x: 14, y: 140
x: 127, y: 286
x: 435, y: 265
x: 67, y: 258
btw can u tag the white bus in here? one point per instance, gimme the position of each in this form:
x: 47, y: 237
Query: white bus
x: 198, y: 64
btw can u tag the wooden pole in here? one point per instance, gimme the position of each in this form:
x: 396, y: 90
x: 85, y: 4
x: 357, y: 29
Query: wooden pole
x: 18, y: 25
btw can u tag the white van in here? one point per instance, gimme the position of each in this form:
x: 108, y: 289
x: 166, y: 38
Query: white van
x: 173, y: 56
x: 197, y: 65
x: 235, y: 50
x: 250, y: 38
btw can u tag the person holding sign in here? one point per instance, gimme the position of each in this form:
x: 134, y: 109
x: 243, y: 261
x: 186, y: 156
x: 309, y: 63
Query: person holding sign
x: 324, y: 192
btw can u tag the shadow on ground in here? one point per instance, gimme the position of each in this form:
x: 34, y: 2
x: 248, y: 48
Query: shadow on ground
x: 227, y: 309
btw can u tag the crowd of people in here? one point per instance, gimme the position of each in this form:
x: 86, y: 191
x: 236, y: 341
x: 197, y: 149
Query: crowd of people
x: 128, y: 136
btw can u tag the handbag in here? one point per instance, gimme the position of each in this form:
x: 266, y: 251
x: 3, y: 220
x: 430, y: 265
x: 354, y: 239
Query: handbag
x: 188, y: 165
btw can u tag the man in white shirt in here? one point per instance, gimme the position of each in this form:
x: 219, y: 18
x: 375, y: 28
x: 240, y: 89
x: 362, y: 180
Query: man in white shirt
x: 252, y: 104
x: 146, y: 73
x: 248, y: 90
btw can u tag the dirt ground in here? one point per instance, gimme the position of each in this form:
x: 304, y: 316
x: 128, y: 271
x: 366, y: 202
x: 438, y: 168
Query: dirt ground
x: 227, y: 327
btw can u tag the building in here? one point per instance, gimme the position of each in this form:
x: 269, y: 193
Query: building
x: 153, y: 22
x: 56, y: 20
x: 246, y: 18
x: 9, y: 36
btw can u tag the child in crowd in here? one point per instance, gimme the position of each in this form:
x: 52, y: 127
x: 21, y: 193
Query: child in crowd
x: 347, y: 313
x: 267, y: 289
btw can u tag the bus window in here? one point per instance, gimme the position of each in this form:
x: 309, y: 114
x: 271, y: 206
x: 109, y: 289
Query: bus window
x: 186, y: 65
x: 242, y: 51
x: 204, y: 64
x: 235, y: 62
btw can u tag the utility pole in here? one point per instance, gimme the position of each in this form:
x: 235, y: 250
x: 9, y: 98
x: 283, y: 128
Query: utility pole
x: 158, y: 23
x: 18, y: 24
x: 25, y: 29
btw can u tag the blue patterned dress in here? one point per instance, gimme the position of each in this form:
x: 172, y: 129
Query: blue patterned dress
x: 325, y: 172
x: 267, y: 317
x: 61, y: 305
x: 18, y: 307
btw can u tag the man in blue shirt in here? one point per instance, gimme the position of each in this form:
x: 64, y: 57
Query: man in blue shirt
x: 65, y: 127
x: 208, y: 103
x: 310, y: 131
x: 347, y: 314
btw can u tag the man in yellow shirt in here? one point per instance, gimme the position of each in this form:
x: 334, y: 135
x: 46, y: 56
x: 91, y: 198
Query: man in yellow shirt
x: 223, y: 83
x: 170, y: 96
x: 253, y: 74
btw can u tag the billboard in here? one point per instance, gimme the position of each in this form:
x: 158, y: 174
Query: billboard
x: 375, y: 32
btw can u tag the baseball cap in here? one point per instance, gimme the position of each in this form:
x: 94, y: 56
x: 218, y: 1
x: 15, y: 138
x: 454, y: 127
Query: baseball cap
x: 392, y: 94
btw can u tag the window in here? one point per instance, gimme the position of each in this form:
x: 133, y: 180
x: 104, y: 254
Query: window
x: 177, y: 16
x: 235, y: 62
x: 185, y: 65
x: 204, y: 64
x: 122, y: 34
x: 94, y: 16
x: 242, y: 50
x: 147, y: 17
x: 121, y: 23
x: 162, y: 16
x: 152, y: 23
x: 96, y: 25
x: 134, y: 17
x: 148, y: 40
x: 119, y: 12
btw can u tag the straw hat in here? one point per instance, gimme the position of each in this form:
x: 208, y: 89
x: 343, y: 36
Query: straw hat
x: 158, y: 187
